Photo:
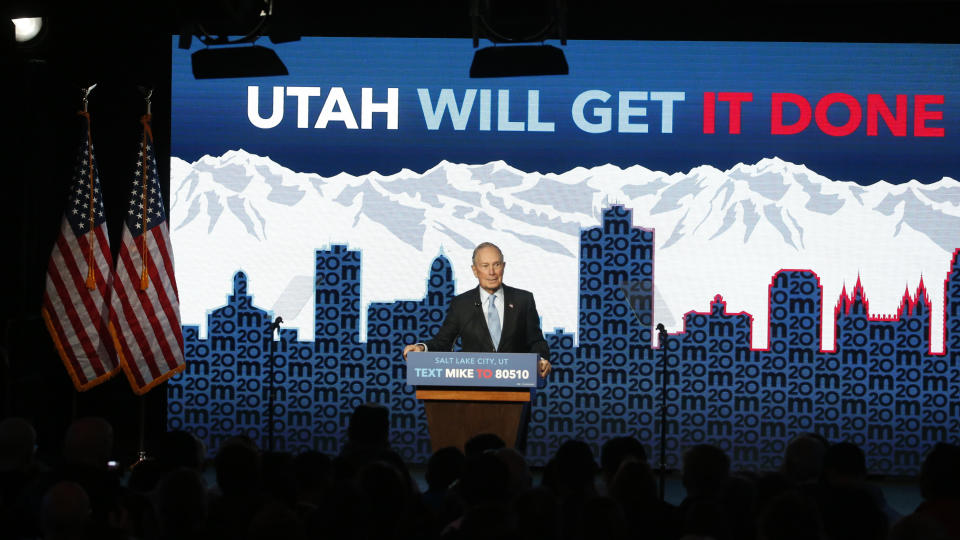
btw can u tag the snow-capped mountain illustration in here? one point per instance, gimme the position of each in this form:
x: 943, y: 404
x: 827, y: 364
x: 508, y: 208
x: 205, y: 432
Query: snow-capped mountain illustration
x: 716, y: 232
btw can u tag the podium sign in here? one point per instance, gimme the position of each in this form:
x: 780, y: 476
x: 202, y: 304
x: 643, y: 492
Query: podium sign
x: 483, y: 370
x: 468, y: 393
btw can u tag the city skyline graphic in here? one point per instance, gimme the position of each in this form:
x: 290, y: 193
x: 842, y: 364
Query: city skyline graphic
x: 878, y: 381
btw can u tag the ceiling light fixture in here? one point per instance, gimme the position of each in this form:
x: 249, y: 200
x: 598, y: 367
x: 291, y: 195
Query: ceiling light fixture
x: 27, y: 29
x: 229, y: 56
x: 512, y: 27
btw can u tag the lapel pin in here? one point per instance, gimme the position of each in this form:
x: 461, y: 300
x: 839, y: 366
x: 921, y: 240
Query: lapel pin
x: 511, y: 306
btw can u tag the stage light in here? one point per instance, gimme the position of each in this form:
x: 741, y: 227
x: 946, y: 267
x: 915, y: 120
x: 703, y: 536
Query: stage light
x: 518, y: 61
x: 513, y: 24
x: 27, y: 28
x: 230, y: 36
x: 232, y: 62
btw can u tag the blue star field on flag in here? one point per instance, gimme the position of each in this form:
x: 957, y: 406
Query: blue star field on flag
x: 79, y: 203
x: 152, y: 204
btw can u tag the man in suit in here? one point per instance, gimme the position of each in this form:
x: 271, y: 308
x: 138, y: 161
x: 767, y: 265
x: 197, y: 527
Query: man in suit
x: 491, y: 318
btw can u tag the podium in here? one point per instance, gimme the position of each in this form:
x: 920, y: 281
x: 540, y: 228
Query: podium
x: 466, y: 394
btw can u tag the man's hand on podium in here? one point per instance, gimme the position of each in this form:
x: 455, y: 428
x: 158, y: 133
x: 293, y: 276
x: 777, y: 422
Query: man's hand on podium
x: 545, y: 367
x: 415, y: 347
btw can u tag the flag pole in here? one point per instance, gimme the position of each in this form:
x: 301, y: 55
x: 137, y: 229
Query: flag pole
x: 6, y: 407
x: 91, y: 263
x: 141, y: 447
x: 147, y: 138
x: 274, y: 331
x: 141, y: 398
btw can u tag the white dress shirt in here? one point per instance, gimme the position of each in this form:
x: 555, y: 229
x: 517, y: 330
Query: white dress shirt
x: 485, y: 303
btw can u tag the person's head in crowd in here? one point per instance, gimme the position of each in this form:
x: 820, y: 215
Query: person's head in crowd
x: 575, y: 468
x: 382, y: 487
x: 740, y: 498
x: 823, y: 440
x: 490, y: 520
x: 65, y: 512
x: 940, y: 473
x: 380, y: 481
x: 89, y: 442
x: 520, y: 477
x: 706, y: 469
x: 173, y: 449
x: 394, y: 459
x: 850, y: 512
x: 844, y: 463
x: 241, y: 438
x: 237, y: 467
x: 705, y: 517
x: 314, y: 476
x: 181, y: 502
x: 803, y: 459
x: 279, y: 477
x: 87, y: 460
x: 484, y: 478
x: 602, y: 519
x: 275, y: 521
x: 479, y: 444
x: 633, y: 484
x: 179, y: 448
x: 771, y: 485
x: 18, y: 441
x: 369, y: 426
x: 790, y: 516
x: 615, y: 451
x: 538, y: 514
x: 443, y: 468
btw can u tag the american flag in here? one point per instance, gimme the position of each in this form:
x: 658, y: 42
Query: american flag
x: 145, y: 309
x: 76, y: 300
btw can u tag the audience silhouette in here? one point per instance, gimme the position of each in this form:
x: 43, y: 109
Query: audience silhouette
x: 487, y: 492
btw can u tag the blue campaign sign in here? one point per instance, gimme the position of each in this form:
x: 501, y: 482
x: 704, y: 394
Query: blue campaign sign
x: 487, y: 370
x: 799, y: 202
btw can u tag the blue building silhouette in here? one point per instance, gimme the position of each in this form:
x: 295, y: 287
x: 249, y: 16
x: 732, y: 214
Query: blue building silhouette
x: 878, y: 385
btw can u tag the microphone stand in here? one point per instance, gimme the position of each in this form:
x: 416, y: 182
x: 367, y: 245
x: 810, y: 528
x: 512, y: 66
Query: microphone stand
x: 662, y: 332
x: 639, y: 296
x: 273, y: 328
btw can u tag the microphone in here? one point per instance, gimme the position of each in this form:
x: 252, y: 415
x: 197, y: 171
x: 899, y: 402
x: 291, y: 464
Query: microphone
x: 275, y: 325
x: 662, y: 332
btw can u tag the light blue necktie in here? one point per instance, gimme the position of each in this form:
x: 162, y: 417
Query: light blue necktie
x: 493, y: 321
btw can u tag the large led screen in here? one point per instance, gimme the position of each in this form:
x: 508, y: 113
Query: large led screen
x: 788, y: 211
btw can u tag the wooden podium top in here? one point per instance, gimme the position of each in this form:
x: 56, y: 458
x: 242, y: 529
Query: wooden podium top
x: 473, y: 394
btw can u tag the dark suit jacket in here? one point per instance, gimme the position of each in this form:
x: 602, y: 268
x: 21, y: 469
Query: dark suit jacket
x: 467, y: 320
